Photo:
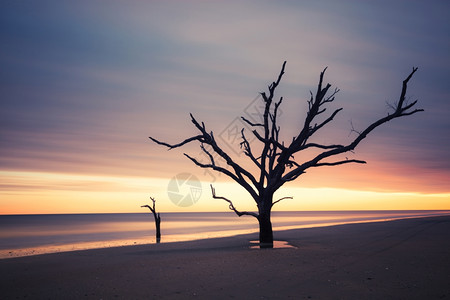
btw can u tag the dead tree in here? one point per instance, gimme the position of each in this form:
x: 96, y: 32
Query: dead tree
x: 157, y: 218
x: 275, y: 163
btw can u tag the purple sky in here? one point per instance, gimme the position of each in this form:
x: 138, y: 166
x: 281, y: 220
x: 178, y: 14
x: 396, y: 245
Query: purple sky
x: 84, y: 83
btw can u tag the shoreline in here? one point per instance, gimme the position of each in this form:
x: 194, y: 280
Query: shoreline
x: 91, y: 245
x: 406, y: 258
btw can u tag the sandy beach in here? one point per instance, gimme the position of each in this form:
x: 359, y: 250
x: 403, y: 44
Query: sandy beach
x: 403, y: 259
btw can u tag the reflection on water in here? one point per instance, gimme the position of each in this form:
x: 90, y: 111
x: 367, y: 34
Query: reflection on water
x: 276, y: 245
x: 35, y: 234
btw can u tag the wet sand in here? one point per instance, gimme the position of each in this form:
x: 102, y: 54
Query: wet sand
x: 403, y: 259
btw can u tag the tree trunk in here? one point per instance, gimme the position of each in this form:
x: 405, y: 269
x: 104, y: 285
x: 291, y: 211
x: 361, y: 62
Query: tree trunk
x: 265, y: 225
x: 265, y: 231
x: 157, y: 218
x: 158, y: 227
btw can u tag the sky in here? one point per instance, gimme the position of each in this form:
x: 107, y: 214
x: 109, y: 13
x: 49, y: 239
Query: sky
x: 83, y: 85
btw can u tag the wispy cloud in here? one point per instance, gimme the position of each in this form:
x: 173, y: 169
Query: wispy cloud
x: 83, y: 84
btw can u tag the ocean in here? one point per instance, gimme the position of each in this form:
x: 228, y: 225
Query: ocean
x: 22, y: 235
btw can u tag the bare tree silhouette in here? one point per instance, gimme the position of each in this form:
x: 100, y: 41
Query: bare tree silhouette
x: 157, y: 218
x: 275, y: 164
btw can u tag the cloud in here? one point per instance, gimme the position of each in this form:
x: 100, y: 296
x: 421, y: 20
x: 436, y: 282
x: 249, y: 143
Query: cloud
x: 84, y: 84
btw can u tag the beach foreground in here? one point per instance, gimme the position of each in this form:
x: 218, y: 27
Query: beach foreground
x: 403, y: 259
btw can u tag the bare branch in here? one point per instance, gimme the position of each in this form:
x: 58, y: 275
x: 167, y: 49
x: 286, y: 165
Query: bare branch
x: 251, y: 123
x: 331, y: 97
x: 171, y: 146
x: 329, y: 119
x: 309, y: 145
x: 408, y: 106
x: 353, y: 129
x: 275, y: 202
x: 412, y: 112
x: 267, y: 139
x: 275, y: 84
x: 149, y: 207
x: 236, y: 177
x: 274, y: 136
x: 152, y: 208
x: 391, y: 106
x: 404, y: 88
x: 315, y: 162
x: 291, y: 163
x: 211, y: 158
x: 208, y: 138
x: 231, y: 206
x: 212, y: 166
x: 248, y: 150
x: 314, y: 105
x: 339, y: 162
x: 295, y: 174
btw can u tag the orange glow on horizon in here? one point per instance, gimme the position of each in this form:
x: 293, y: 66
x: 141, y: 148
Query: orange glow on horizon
x: 47, y: 193
x: 81, y: 96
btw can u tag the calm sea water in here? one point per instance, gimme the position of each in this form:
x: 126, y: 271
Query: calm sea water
x: 22, y: 235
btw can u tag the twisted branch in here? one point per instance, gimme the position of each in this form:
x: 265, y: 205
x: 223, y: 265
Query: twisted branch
x: 231, y: 206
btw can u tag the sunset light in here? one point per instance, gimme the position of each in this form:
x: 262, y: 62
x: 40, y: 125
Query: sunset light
x: 44, y: 193
x: 82, y: 91
x: 254, y: 149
